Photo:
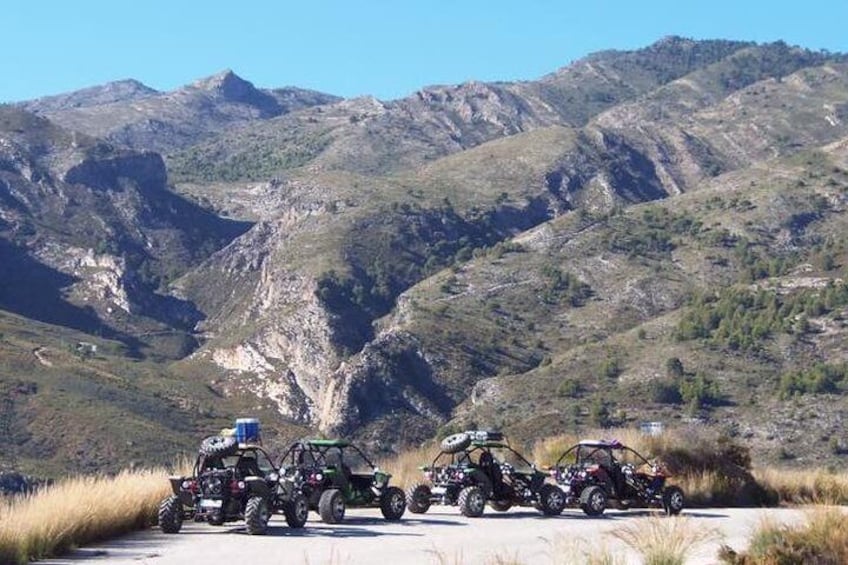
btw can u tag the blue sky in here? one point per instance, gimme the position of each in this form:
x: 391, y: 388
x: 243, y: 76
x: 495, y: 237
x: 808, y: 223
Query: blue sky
x: 380, y: 47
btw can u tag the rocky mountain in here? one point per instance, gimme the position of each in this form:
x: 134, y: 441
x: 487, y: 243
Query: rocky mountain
x: 92, y: 234
x: 639, y: 235
x: 129, y: 114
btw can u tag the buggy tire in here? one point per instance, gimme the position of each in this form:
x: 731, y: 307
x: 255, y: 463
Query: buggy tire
x: 171, y: 515
x: 256, y: 515
x: 418, y: 498
x: 500, y: 505
x: 673, y: 500
x: 392, y: 503
x: 551, y: 500
x: 296, y: 510
x: 218, y: 446
x: 455, y: 443
x: 471, y: 501
x: 593, y: 500
x: 331, y: 506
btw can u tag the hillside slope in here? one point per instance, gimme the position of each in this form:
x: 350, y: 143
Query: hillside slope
x: 652, y: 234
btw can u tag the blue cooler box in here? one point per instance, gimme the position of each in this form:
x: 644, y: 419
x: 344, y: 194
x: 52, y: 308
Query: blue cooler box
x: 247, y: 430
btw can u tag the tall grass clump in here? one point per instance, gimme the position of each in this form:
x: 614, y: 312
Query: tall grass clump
x: 805, y: 486
x: 405, y: 466
x: 822, y: 540
x: 665, y: 541
x: 78, y: 511
x: 569, y: 550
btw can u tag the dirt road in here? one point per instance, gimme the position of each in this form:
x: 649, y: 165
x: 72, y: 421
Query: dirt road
x: 440, y: 537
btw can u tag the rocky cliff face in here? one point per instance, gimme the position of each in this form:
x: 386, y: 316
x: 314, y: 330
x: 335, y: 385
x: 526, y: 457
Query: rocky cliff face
x: 104, y: 225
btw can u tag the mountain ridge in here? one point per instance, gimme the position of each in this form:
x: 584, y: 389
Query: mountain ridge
x: 490, y: 254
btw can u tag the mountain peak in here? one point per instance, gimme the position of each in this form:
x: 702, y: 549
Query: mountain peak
x: 225, y: 82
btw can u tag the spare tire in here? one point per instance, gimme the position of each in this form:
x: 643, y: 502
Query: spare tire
x: 218, y: 446
x: 456, y: 442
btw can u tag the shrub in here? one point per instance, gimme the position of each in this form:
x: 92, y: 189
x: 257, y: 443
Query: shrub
x: 822, y: 539
x: 665, y: 541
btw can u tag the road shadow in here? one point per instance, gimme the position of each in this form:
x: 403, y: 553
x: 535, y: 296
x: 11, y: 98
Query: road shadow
x: 417, y: 519
x: 641, y: 513
x: 134, y: 549
x: 332, y: 531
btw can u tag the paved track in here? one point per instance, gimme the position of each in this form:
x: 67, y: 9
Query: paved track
x: 440, y: 537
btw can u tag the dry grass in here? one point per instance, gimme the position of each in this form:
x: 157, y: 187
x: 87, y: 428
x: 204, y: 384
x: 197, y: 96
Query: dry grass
x: 806, y: 486
x: 78, y: 511
x: 569, y: 550
x: 405, y: 467
x: 822, y: 540
x: 664, y: 541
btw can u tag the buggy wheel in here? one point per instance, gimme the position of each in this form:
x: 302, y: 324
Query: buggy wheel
x: 500, y: 505
x: 418, y: 498
x: 552, y: 500
x: 296, y: 511
x: 171, y: 515
x: 218, y: 446
x: 673, y: 500
x: 593, y: 500
x: 471, y: 501
x: 256, y: 515
x: 456, y: 442
x: 392, y: 503
x: 331, y: 506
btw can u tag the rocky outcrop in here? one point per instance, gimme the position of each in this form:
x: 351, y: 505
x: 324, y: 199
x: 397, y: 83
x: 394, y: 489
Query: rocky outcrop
x: 134, y: 116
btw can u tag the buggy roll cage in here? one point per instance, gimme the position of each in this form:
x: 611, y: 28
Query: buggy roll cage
x: 201, y: 460
x: 319, y: 449
x: 463, y: 456
x: 610, y: 447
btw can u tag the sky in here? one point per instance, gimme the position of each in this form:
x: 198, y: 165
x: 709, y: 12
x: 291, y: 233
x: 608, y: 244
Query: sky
x: 384, y: 48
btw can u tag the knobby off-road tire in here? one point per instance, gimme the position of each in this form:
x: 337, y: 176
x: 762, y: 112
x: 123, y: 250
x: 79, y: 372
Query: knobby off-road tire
x: 171, y: 515
x: 456, y: 442
x: 418, y: 498
x: 331, y: 506
x: 218, y: 446
x: 593, y: 500
x: 296, y: 511
x: 552, y: 500
x: 392, y: 503
x: 256, y: 515
x: 500, y: 505
x: 471, y: 501
x: 673, y: 500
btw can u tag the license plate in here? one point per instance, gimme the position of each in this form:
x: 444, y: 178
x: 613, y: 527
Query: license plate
x: 438, y: 490
x: 210, y: 503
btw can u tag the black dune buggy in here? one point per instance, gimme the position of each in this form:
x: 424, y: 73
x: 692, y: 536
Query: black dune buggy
x: 604, y: 472
x: 466, y: 473
x: 232, y: 482
x: 322, y: 470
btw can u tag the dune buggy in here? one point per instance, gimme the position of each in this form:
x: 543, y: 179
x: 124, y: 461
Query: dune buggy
x: 476, y: 467
x: 333, y: 474
x: 603, y: 472
x: 232, y: 482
